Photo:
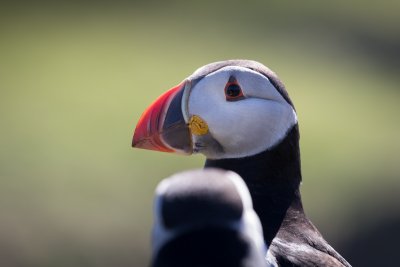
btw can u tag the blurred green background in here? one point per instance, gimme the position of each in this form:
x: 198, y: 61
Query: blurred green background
x: 74, y: 79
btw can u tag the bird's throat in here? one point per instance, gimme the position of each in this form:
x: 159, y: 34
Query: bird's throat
x: 273, y: 178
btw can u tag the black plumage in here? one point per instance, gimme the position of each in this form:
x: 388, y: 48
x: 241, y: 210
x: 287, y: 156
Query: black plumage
x: 210, y: 247
x: 273, y: 178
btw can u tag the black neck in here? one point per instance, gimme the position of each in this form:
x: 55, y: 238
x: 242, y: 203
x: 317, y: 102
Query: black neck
x: 273, y: 178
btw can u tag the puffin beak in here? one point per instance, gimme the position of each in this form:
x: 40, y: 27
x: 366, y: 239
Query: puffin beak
x: 162, y: 126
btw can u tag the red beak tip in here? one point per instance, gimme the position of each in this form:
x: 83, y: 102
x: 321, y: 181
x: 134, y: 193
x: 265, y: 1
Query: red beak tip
x: 148, y: 133
x: 135, y: 140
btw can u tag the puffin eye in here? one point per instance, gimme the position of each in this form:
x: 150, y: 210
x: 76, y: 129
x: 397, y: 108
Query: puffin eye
x: 233, y: 92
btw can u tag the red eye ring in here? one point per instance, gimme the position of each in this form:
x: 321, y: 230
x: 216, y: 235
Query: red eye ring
x: 233, y: 91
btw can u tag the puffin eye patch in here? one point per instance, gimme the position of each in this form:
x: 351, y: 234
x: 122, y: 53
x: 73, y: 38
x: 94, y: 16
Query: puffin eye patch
x: 233, y: 91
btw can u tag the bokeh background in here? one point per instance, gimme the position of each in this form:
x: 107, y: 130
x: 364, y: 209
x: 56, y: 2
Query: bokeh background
x: 75, y: 77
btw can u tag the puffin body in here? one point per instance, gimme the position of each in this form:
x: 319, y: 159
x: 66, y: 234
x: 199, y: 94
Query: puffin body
x: 239, y: 115
x: 205, y: 218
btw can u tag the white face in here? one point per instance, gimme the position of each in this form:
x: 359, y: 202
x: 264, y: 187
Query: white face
x: 243, y: 127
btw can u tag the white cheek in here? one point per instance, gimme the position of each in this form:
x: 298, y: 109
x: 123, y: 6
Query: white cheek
x: 248, y: 131
x: 245, y: 127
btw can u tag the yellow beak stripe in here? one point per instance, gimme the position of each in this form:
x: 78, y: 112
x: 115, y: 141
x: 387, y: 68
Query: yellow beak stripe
x: 197, y: 125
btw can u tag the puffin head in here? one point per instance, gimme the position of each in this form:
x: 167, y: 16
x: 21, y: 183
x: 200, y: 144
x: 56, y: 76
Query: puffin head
x: 227, y: 109
x: 205, y: 217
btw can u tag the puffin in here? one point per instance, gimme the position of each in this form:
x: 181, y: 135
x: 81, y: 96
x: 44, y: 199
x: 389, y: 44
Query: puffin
x: 238, y: 114
x: 205, y: 218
